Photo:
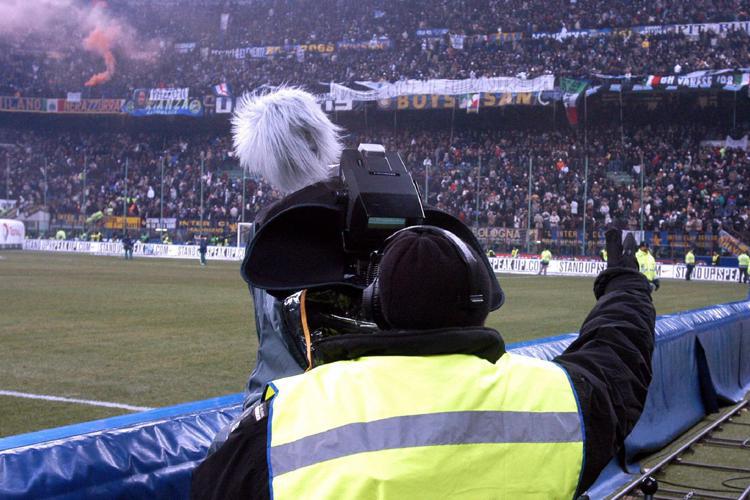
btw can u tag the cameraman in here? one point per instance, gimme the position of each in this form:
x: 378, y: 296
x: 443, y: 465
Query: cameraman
x: 431, y: 405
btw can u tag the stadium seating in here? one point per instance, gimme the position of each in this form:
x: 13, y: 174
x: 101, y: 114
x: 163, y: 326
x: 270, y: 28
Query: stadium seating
x: 689, y: 188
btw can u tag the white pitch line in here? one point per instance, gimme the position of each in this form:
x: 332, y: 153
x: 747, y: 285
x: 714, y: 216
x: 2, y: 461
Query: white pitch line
x: 60, y: 399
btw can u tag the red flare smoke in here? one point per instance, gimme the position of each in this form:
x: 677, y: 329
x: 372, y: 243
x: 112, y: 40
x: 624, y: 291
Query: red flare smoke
x: 99, y: 42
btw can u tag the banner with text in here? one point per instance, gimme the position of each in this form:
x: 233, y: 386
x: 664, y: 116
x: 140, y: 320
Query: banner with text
x: 139, y: 249
x: 509, y: 265
x: 498, y: 84
x: 185, y: 47
x: 54, y: 105
x: 693, y: 29
x: 717, y: 79
x: 593, y: 268
x: 731, y: 244
x: 218, y: 228
x: 119, y: 222
x: 12, y: 233
x: 432, y: 32
x: 167, y: 101
x: 486, y: 100
x: 688, y: 29
x: 374, y: 44
x: 264, y: 52
x: 165, y: 223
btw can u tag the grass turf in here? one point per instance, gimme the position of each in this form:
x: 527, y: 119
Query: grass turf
x: 153, y: 332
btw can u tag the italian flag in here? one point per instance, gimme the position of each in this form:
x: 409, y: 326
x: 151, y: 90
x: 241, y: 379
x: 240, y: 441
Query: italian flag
x: 653, y: 80
x: 572, y: 90
x: 472, y: 103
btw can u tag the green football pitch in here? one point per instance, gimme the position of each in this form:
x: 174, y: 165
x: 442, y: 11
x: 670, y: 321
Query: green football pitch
x: 153, y: 332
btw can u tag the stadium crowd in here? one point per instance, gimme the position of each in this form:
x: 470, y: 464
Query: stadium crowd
x: 31, y: 69
x: 271, y: 22
x: 69, y: 165
x: 687, y: 187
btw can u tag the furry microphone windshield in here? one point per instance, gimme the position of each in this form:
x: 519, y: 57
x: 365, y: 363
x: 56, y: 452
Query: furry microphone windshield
x: 286, y: 137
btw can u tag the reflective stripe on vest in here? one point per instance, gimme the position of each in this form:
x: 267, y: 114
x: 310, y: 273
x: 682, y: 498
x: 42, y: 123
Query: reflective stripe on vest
x: 427, y: 427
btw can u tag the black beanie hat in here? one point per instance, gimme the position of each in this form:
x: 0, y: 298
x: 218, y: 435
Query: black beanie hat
x: 425, y: 283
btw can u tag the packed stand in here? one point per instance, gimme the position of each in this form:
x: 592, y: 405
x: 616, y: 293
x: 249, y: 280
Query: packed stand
x: 85, y: 174
x: 688, y: 188
x: 32, y: 69
x: 274, y: 22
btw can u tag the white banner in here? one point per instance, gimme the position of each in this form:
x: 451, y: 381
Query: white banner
x: 12, y: 233
x: 168, y: 94
x: 139, y: 249
x: 184, y: 48
x: 443, y: 87
x: 589, y: 268
x: 593, y: 268
x: 689, y: 29
x: 694, y: 29
x: 242, y: 52
x: 730, y: 143
x: 457, y: 42
x: 165, y: 223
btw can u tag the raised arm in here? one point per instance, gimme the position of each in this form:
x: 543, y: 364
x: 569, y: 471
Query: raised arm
x: 610, y: 362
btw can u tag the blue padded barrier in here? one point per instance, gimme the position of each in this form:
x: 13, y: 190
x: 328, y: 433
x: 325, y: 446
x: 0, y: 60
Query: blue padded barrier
x: 145, y: 455
x: 546, y: 348
x: 729, y: 374
x: 151, y: 454
x: 675, y: 400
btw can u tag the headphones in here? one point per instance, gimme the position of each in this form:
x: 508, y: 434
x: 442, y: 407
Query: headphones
x: 477, y: 297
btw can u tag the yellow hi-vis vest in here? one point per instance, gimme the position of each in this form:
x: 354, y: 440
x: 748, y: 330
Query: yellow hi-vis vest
x: 448, y: 426
x: 649, y: 268
x: 641, y: 257
x: 689, y: 258
x: 646, y: 264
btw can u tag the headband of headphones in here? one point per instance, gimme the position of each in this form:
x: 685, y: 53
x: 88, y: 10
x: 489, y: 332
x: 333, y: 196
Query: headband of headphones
x: 476, y: 298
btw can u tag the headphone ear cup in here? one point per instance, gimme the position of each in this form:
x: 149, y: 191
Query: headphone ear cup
x: 371, y: 304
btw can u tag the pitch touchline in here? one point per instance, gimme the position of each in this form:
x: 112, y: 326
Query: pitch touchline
x: 74, y: 400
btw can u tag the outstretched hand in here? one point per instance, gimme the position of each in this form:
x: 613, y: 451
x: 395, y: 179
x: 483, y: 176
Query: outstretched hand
x: 620, y: 253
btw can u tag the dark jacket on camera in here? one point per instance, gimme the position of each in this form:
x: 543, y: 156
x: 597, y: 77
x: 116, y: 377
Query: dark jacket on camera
x: 609, y: 366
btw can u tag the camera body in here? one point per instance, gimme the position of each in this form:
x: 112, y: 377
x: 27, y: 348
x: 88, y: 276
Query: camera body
x: 381, y: 197
x: 326, y: 234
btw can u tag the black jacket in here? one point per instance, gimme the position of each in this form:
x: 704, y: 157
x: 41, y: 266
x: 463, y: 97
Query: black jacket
x: 609, y: 365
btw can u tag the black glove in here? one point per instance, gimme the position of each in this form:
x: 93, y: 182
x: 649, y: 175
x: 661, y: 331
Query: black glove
x: 619, y: 253
x: 622, y: 271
